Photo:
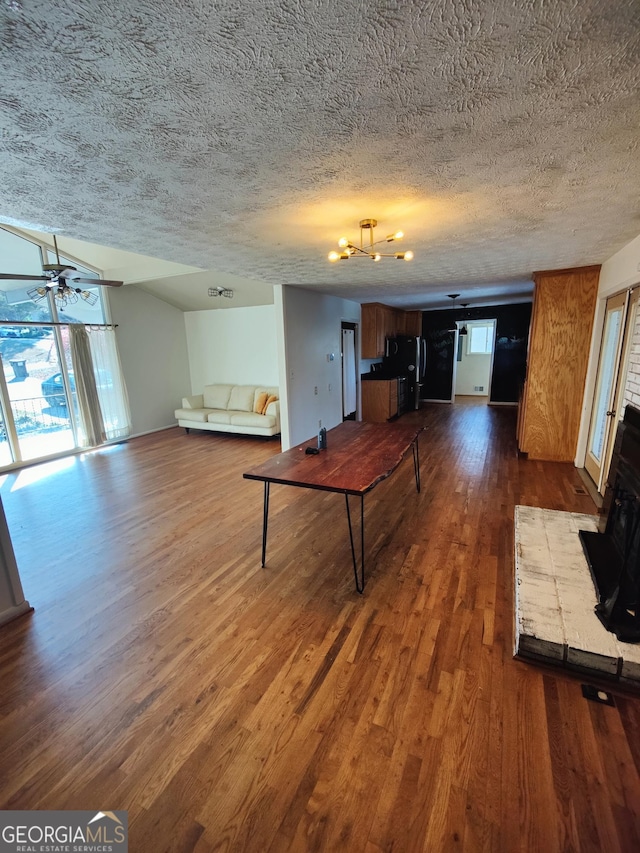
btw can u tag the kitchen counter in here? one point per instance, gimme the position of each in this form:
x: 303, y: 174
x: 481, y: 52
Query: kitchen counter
x: 379, y: 376
x: 379, y: 400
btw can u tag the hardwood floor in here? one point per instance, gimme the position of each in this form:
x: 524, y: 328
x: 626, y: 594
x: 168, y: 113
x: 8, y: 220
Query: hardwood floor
x: 228, y: 707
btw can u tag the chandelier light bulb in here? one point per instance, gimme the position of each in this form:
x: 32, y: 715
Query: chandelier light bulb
x: 343, y: 242
x: 408, y: 256
x: 397, y: 236
x: 377, y: 257
x: 334, y: 256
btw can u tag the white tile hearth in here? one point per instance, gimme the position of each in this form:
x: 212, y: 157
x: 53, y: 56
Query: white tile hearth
x: 555, y: 598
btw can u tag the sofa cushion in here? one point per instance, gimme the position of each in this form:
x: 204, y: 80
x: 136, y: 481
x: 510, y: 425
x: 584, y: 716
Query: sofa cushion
x: 216, y: 396
x: 241, y: 398
x: 197, y: 415
x: 251, y: 419
x: 260, y: 402
x: 219, y: 416
x: 268, y: 391
x: 271, y: 399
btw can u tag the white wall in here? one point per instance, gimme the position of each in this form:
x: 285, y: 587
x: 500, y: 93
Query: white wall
x: 621, y: 271
x: 234, y: 345
x: 153, y: 350
x: 310, y: 329
x: 471, y: 371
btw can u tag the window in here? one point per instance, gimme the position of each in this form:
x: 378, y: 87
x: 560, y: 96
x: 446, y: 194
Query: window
x: 480, y: 338
x: 40, y: 411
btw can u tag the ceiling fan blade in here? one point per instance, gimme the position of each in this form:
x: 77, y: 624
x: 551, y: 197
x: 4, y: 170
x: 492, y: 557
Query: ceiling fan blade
x: 71, y: 275
x: 8, y: 277
x: 94, y: 281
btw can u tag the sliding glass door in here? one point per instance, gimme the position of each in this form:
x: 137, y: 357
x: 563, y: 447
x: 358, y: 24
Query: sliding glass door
x: 36, y: 414
x: 612, y: 369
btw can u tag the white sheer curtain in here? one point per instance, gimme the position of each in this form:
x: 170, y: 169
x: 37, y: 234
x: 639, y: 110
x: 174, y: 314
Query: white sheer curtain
x: 92, y: 431
x: 112, y: 392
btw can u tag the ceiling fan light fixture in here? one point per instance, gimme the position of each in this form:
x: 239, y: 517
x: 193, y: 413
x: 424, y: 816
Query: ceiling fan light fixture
x: 89, y: 297
x: 65, y: 295
x: 37, y: 293
x: 221, y: 291
x: 368, y: 251
x: 57, y: 277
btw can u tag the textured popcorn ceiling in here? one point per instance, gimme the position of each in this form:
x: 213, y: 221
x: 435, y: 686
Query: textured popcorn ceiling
x: 247, y: 137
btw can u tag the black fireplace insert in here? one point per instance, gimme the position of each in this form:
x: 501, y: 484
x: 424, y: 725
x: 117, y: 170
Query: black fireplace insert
x: 613, y: 554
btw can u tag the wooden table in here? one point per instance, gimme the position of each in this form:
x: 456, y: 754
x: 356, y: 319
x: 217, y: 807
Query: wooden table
x: 358, y: 456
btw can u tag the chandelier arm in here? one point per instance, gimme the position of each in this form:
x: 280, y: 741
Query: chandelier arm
x: 384, y: 240
x: 373, y: 254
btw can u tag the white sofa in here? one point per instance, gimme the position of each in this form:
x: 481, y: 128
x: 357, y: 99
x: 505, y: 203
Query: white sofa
x: 231, y: 408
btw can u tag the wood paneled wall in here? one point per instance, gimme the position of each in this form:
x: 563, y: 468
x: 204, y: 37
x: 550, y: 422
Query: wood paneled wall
x: 562, y: 323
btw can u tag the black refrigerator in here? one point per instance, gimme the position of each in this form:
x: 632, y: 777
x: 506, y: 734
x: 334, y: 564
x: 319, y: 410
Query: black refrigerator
x: 406, y: 356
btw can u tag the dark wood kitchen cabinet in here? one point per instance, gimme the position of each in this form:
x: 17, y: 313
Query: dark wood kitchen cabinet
x: 379, y: 399
x: 380, y: 322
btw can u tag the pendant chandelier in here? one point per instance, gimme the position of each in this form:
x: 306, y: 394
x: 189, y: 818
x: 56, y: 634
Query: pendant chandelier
x: 463, y: 330
x: 349, y: 249
x: 454, y: 325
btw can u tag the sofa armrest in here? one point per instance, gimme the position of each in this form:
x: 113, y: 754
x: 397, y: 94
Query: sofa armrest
x: 274, y: 409
x: 195, y: 402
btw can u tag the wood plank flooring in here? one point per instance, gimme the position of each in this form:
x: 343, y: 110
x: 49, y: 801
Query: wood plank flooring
x: 233, y: 708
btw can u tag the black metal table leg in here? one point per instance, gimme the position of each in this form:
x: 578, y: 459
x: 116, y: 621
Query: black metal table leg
x: 416, y: 464
x: 359, y: 582
x: 265, y: 519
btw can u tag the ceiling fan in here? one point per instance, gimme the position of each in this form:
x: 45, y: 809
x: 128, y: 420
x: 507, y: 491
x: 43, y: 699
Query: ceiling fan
x: 63, y: 280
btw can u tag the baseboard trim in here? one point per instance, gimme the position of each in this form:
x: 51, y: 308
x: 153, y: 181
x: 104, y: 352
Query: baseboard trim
x: 12, y: 613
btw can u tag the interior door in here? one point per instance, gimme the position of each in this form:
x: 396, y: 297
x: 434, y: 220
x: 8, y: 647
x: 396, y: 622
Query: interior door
x: 603, y: 413
x: 349, y: 394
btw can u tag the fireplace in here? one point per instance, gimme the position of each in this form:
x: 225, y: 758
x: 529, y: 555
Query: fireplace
x: 613, y: 554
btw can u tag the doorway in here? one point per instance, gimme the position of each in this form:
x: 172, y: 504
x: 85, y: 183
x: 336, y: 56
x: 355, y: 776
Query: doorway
x: 349, y: 372
x: 460, y: 361
x: 474, y: 358
x: 36, y: 418
x: 606, y: 411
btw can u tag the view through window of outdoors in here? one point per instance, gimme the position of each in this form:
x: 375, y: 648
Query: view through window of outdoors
x: 37, y: 389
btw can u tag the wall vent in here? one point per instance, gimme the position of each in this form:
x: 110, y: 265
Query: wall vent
x: 478, y: 387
